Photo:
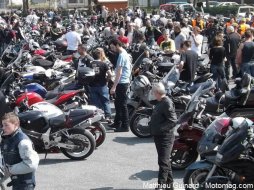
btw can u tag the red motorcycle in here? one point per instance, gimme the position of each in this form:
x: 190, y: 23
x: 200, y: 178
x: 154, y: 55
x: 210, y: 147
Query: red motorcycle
x: 65, y: 100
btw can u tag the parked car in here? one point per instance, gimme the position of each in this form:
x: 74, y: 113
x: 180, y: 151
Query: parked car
x: 211, y: 3
x: 171, y: 7
x: 227, y: 4
x: 242, y: 10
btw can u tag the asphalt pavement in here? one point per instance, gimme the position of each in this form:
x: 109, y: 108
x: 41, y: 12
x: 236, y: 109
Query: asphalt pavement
x: 122, y: 162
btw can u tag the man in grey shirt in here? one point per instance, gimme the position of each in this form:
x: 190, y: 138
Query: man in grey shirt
x: 179, y: 37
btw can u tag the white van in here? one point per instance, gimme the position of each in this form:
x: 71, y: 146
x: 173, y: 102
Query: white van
x: 242, y: 10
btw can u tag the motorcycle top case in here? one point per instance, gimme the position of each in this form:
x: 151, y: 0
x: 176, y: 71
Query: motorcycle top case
x: 33, y: 121
x: 85, y: 74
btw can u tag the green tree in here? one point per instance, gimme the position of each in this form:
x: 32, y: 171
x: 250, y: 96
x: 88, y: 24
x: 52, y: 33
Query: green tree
x: 25, y: 7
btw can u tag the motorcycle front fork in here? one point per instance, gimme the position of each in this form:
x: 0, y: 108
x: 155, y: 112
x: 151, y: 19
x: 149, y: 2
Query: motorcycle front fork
x: 210, y: 174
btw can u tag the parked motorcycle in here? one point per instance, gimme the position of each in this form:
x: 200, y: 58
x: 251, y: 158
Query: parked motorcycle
x: 192, y: 125
x: 48, y: 130
x: 221, y: 134
x: 236, y: 157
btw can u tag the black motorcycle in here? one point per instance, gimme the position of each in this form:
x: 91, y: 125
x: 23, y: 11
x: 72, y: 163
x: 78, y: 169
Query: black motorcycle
x: 54, y: 130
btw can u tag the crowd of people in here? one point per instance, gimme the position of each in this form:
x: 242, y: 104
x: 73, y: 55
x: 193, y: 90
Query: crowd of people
x: 134, y: 32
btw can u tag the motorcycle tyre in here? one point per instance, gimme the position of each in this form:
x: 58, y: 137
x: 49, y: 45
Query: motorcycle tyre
x: 89, y: 137
x: 133, y: 128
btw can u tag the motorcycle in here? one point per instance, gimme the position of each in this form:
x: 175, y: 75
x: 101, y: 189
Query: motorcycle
x: 235, y: 158
x: 197, y: 119
x: 139, y: 120
x: 64, y: 99
x: 191, y: 127
x: 217, y: 160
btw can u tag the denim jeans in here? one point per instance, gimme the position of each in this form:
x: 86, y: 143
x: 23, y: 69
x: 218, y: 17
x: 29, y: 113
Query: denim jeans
x: 99, y: 97
x: 164, y: 145
x: 218, y: 75
x: 247, y: 68
x: 231, y: 62
x: 23, y: 187
x: 121, y: 97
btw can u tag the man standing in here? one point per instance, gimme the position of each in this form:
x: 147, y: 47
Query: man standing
x: 104, y: 14
x: 188, y: 64
x: 73, y: 40
x: 232, y: 43
x: 179, y: 37
x: 20, y: 160
x: 196, y: 41
x: 84, y: 59
x: 120, y: 87
x: 163, y: 121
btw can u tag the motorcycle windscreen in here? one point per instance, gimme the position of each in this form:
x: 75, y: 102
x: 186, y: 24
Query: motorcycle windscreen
x: 232, y: 146
x: 213, y: 135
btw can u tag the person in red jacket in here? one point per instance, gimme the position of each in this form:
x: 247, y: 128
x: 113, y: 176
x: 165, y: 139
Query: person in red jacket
x: 122, y: 38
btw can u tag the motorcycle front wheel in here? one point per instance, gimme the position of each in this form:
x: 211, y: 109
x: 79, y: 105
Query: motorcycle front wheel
x: 182, y: 159
x: 99, y: 133
x: 85, y: 144
x: 194, y: 178
x: 139, y: 125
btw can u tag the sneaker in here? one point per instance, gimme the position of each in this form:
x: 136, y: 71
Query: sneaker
x: 113, y: 125
x: 121, y: 129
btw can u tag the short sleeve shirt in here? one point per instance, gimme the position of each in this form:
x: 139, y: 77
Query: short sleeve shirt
x: 124, y: 62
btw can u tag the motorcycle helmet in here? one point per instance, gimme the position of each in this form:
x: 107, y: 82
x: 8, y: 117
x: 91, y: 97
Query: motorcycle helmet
x: 33, y: 45
x: 147, y: 61
x: 26, y: 57
x: 35, y: 33
x: 45, y: 47
x: 140, y: 84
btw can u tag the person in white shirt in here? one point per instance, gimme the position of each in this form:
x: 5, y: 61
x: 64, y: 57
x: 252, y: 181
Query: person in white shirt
x: 104, y: 14
x: 138, y: 21
x: 196, y: 40
x: 73, y: 40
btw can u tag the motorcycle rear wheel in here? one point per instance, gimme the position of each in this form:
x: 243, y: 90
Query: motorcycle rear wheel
x: 84, y: 139
x: 139, y: 125
x: 99, y: 133
x: 182, y: 159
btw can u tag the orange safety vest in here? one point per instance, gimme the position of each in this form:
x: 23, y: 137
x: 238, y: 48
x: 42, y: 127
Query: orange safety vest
x: 194, y: 23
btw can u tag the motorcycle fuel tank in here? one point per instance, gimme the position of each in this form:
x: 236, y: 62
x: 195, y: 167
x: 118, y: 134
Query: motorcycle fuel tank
x: 35, y: 87
x: 33, y: 121
x: 31, y: 96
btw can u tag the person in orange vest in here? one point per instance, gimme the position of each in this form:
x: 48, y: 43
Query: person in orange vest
x: 198, y: 22
x: 230, y: 23
x: 243, y: 26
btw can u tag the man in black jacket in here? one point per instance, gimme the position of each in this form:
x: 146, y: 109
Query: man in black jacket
x: 232, y: 43
x: 162, y: 125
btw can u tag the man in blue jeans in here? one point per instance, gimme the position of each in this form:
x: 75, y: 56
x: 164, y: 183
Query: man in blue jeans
x: 120, y: 87
x: 99, y: 92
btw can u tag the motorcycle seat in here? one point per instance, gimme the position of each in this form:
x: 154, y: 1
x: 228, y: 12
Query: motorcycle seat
x: 232, y: 95
x: 43, y: 63
x: 201, y: 58
x: 165, y: 64
x: 202, y: 78
x: 63, y: 57
x: 58, y: 121
x: 51, y: 94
